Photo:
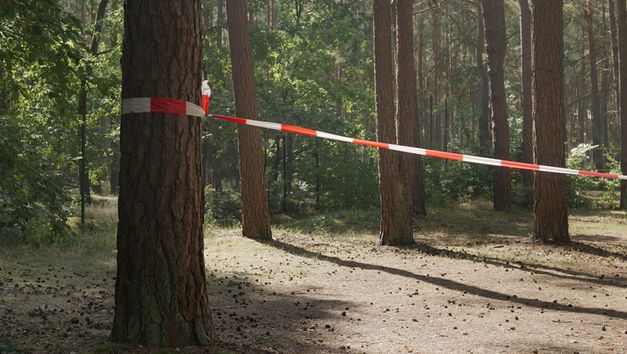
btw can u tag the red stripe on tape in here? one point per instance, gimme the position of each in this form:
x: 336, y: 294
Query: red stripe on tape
x: 231, y: 119
x: 168, y: 105
x: 371, y: 143
x: 520, y: 165
x: 298, y: 130
x: 205, y: 99
x: 597, y: 174
x: 445, y: 155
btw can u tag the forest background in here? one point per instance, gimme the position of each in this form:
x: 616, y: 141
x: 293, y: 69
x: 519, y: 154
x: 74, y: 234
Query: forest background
x: 60, y: 106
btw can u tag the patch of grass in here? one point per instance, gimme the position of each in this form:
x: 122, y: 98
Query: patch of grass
x: 8, y: 347
x: 107, y: 348
x: 337, y: 222
x: 93, y: 249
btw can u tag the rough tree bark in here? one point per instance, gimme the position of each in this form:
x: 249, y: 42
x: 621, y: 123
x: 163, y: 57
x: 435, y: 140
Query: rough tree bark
x: 622, y: 55
x: 255, y: 212
x: 495, y: 43
x: 396, y: 227
x: 409, y: 125
x: 597, y: 129
x: 551, y: 210
x: 526, y: 103
x: 161, y: 292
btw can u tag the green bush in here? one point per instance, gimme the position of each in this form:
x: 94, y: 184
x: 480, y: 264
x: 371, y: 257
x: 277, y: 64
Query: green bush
x: 222, y: 208
x: 576, y: 186
x: 449, y: 180
x: 32, y: 200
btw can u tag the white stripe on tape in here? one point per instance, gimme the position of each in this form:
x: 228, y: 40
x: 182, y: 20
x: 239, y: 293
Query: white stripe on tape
x: 136, y: 105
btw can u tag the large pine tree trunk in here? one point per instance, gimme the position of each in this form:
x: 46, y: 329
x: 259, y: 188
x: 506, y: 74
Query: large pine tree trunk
x: 622, y: 54
x: 255, y: 213
x: 409, y: 125
x: 161, y: 292
x: 396, y: 228
x: 597, y: 126
x: 551, y: 210
x: 494, y: 22
x: 526, y: 103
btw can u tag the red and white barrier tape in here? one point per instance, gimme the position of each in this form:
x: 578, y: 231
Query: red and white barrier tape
x: 183, y: 108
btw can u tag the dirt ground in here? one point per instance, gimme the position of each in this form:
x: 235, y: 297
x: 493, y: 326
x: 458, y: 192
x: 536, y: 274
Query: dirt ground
x: 475, y: 283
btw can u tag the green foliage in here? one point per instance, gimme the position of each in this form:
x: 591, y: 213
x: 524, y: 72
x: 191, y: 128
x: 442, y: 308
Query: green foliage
x: 450, y: 180
x: 33, y: 205
x: 222, y: 208
x: 42, y: 58
x: 579, y: 158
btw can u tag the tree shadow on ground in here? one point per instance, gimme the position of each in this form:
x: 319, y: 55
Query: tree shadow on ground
x: 593, y: 250
x: 252, y: 318
x: 448, y: 284
x: 536, y: 268
x: 77, y: 314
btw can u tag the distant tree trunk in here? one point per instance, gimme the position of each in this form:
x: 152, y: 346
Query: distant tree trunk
x: 161, y: 292
x: 622, y: 55
x: 597, y: 129
x: 551, y: 210
x: 494, y: 21
x: 396, y: 227
x: 409, y: 126
x: 4, y: 97
x: 484, y: 98
x: 85, y: 186
x: 114, y: 167
x: 255, y: 213
x: 317, y: 157
x: 422, y: 92
x: 288, y: 170
x: 615, y: 68
x: 526, y: 102
x: 582, y: 106
x: 435, y: 43
x: 219, y: 22
x: 284, y: 175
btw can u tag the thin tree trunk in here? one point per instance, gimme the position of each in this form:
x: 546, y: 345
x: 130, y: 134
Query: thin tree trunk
x: 526, y: 101
x: 255, y: 213
x: 615, y: 68
x: 161, y: 292
x: 622, y: 55
x: 219, y: 22
x: 582, y: 106
x: 597, y: 129
x: 605, y: 85
x: 495, y: 38
x: 423, y: 130
x: 435, y: 43
x: 409, y: 126
x: 317, y: 157
x: 551, y: 210
x: 484, y: 98
x: 396, y: 228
